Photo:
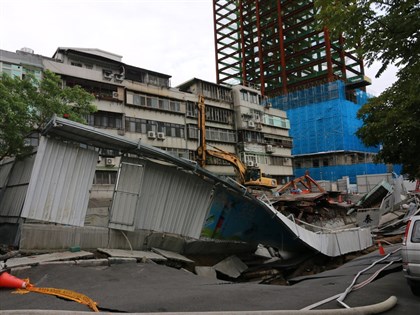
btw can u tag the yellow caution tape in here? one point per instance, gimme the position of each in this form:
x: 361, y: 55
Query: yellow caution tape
x: 66, y: 294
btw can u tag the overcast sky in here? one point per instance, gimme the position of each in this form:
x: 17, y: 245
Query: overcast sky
x: 174, y: 37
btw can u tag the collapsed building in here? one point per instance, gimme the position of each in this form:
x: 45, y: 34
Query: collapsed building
x: 44, y: 202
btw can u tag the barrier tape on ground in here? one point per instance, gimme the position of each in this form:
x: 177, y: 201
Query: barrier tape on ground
x: 63, y: 293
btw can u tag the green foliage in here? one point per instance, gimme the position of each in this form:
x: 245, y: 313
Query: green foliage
x: 28, y: 104
x: 386, y: 31
x: 392, y: 120
x: 15, y: 121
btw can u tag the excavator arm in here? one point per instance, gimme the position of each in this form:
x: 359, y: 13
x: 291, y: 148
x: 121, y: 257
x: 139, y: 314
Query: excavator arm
x: 248, y: 176
x: 232, y: 159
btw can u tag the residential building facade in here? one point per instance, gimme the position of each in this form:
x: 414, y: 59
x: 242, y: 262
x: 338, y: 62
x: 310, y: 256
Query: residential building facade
x: 141, y: 105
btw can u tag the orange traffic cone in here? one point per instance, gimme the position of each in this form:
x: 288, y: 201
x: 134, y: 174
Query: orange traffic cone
x: 381, y: 249
x: 9, y: 281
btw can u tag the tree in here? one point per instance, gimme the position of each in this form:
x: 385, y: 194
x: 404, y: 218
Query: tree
x: 386, y: 31
x: 28, y: 104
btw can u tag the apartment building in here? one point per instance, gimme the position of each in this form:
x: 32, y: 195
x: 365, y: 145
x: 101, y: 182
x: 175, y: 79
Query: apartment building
x: 141, y: 105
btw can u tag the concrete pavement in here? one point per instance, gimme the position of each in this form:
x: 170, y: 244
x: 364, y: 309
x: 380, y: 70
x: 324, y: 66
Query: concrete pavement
x: 149, y: 287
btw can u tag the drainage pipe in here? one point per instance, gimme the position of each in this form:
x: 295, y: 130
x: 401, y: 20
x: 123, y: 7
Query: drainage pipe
x: 368, y: 309
x: 341, y: 296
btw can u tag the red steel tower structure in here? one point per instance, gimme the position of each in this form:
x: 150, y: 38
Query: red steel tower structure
x: 277, y: 45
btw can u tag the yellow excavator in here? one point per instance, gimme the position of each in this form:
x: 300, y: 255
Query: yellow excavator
x: 246, y: 175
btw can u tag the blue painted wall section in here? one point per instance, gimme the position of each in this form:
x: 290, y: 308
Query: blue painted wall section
x: 233, y: 217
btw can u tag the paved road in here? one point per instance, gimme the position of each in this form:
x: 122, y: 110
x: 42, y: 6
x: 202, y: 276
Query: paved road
x: 137, y: 287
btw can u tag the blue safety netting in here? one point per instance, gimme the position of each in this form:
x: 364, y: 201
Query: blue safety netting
x: 322, y: 119
x: 332, y: 173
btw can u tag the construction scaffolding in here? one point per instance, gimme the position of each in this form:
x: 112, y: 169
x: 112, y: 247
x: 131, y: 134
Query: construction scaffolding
x: 323, y: 123
x: 323, y: 119
x: 278, y: 45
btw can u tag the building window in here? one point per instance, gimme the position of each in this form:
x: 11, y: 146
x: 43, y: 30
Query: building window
x: 153, y: 102
x: 139, y: 125
x: 105, y: 178
x: 192, y: 110
x: 213, y: 134
x: 76, y: 64
x: 6, y: 68
x: 254, y: 98
x: 250, y: 136
x: 276, y: 160
x: 315, y: 163
x: 244, y: 95
x: 181, y: 153
x: 103, y: 119
x: 220, y: 115
x: 276, y: 121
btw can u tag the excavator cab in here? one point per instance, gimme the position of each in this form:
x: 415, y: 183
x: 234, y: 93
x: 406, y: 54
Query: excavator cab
x: 253, y: 177
x: 252, y: 174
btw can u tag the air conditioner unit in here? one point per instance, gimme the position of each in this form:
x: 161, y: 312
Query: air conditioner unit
x: 109, y: 161
x: 258, y: 126
x: 268, y: 105
x: 251, y: 124
x: 151, y: 134
x: 114, y: 94
x: 269, y: 148
x: 161, y: 135
x: 250, y: 163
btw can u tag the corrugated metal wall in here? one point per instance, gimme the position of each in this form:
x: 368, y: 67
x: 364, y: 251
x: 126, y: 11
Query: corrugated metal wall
x: 60, y: 181
x: 170, y: 200
x: 15, y: 177
x: 5, y: 169
x: 126, y: 196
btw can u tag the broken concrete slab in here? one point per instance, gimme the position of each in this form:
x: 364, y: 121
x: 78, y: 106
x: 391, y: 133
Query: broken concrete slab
x: 166, y: 241
x: 37, y: 259
x: 231, y: 266
x: 368, y: 217
x: 139, y: 255
x: 121, y: 260
x: 205, y: 271
x: 263, y: 252
x: 172, y: 255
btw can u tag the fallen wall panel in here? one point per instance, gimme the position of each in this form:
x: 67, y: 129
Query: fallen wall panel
x: 170, y: 200
x: 60, y: 181
x: 15, y: 187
